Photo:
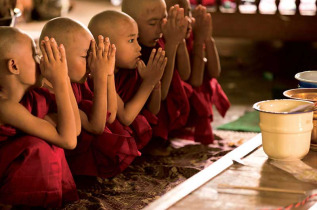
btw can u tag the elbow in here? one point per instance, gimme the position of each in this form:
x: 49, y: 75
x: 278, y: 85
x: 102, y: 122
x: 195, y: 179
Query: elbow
x: 185, y: 77
x: 164, y: 95
x: 111, y: 119
x: 196, y: 83
x: 155, y: 112
x: 97, y: 130
x: 78, y: 130
x: 215, y: 75
x: 70, y: 145
x: 127, y: 121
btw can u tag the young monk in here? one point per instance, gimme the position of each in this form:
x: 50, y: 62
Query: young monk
x: 33, y: 169
x: 134, y: 81
x: 150, y: 16
x: 206, y: 89
x: 103, y: 150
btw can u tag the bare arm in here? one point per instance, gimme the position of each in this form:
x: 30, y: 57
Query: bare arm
x: 154, y: 103
x: 112, y: 99
x: 151, y: 75
x: 198, y: 64
x: 213, y: 63
x: 183, y: 61
x: 101, y: 62
x: 169, y: 70
x: 173, y: 31
x: 52, y: 117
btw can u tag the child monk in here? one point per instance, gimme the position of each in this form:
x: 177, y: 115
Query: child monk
x: 206, y: 89
x: 134, y: 81
x: 33, y: 169
x: 150, y: 16
x: 102, y: 151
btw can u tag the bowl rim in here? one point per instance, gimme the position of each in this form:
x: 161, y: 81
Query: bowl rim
x: 297, y: 76
x: 256, y: 105
x: 300, y: 90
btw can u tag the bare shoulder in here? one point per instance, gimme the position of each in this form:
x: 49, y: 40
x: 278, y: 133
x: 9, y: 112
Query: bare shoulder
x: 10, y: 110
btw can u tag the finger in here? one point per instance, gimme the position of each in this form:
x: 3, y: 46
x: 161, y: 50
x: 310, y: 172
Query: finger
x: 48, y: 49
x: 113, y: 50
x: 163, y: 25
x: 42, y: 68
x: 204, y: 10
x: 63, y: 53
x: 164, y: 64
x: 151, y: 57
x: 101, y: 45
x: 107, y: 45
x: 140, y: 66
x: 44, y: 54
x: 93, y: 48
x: 171, y: 16
x: 180, y: 14
x: 55, y: 50
x: 162, y: 57
x: 90, y: 57
x: 157, y: 56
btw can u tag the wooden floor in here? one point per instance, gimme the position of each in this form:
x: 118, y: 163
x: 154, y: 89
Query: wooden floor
x: 257, y: 172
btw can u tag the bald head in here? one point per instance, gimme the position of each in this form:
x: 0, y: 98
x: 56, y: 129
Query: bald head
x: 109, y: 23
x: 63, y: 30
x: 10, y: 39
x: 135, y: 8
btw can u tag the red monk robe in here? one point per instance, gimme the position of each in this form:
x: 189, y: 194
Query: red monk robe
x: 32, y: 171
x: 128, y: 82
x: 174, y: 110
x: 210, y: 93
x: 104, y: 155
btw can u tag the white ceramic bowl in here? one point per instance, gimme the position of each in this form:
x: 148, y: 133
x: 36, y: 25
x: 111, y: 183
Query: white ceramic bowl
x: 307, y: 79
x: 285, y: 136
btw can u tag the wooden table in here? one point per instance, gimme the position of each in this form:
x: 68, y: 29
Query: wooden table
x: 257, y: 172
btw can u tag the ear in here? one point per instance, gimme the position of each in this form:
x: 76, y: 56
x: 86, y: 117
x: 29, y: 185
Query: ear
x: 13, y: 66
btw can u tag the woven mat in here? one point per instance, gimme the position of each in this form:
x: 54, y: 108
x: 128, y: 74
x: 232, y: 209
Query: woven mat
x: 149, y: 177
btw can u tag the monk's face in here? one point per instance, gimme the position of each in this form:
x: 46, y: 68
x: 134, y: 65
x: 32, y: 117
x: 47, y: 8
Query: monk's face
x: 150, y: 21
x: 77, y: 46
x: 128, y: 48
x: 28, y: 62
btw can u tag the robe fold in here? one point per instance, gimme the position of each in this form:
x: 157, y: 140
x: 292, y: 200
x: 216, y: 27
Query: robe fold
x: 32, y: 171
x: 104, y: 155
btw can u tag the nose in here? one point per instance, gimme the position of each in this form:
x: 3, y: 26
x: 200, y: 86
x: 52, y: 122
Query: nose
x: 138, y: 47
x: 158, y: 29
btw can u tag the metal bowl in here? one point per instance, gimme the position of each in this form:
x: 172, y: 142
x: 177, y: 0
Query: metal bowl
x: 307, y: 94
x: 307, y: 79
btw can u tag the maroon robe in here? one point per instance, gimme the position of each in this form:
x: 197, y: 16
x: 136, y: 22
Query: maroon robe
x: 174, y: 110
x: 104, y: 155
x: 32, y: 171
x: 128, y: 82
x: 210, y: 93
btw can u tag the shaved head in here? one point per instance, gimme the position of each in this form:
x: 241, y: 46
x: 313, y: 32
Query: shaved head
x: 10, y: 38
x: 109, y: 23
x: 149, y: 15
x: 135, y: 8
x: 63, y: 30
